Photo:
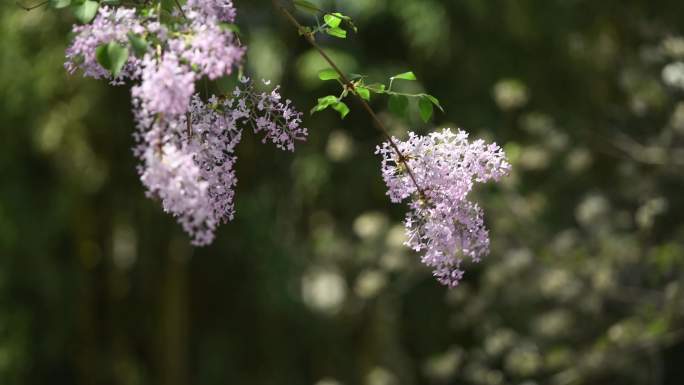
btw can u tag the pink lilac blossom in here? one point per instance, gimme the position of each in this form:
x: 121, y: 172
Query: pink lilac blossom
x: 220, y: 10
x: 441, y: 221
x: 109, y: 25
x: 219, y: 135
x: 277, y: 119
x: 188, y: 165
x: 167, y: 75
x: 211, y: 49
x: 187, y: 160
x: 166, y: 86
x: 186, y: 146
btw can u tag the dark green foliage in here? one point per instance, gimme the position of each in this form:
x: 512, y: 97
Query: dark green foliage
x: 584, y: 284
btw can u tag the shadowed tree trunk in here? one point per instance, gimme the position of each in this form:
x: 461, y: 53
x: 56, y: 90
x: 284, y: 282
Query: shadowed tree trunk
x: 174, y: 316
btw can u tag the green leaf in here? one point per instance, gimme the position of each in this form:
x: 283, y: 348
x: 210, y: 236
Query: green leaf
x: 363, y: 92
x: 426, y: 109
x: 324, y: 103
x: 378, y: 88
x: 102, y: 57
x: 330, y: 99
x: 341, y: 108
x: 139, y: 44
x: 85, y: 12
x: 112, y: 57
x: 230, y: 27
x: 306, y: 6
x: 60, y: 3
x: 119, y: 56
x: 168, y: 5
x: 405, y: 76
x: 333, y: 20
x: 328, y: 74
x: 434, y: 101
x: 398, y: 105
x: 336, y: 32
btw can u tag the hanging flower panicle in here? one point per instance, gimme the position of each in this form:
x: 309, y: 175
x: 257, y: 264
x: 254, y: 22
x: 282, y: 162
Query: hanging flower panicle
x: 185, y: 145
x: 442, y: 222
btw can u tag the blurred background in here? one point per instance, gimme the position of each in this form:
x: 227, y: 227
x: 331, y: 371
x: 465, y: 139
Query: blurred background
x: 311, y: 284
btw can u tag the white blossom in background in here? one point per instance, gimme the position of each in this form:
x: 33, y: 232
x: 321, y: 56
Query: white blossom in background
x: 673, y: 75
x: 324, y: 290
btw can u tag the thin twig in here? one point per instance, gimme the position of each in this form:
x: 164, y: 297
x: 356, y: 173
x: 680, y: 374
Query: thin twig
x: 188, y: 120
x: 180, y: 8
x: 378, y: 123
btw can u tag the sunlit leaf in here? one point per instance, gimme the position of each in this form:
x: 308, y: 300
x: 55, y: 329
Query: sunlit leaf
x: 363, y: 92
x: 341, y: 108
x: 332, y: 20
x: 337, y: 32
x: 328, y: 74
x: 405, y: 76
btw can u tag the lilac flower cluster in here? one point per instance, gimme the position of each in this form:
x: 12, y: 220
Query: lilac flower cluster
x: 166, y: 86
x: 110, y: 25
x: 218, y: 10
x: 186, y: 146
x: 441, y: 221
x: 187, y: 160
x: 279, y: 121
x: 211, y: 50
x: 175, y: 58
